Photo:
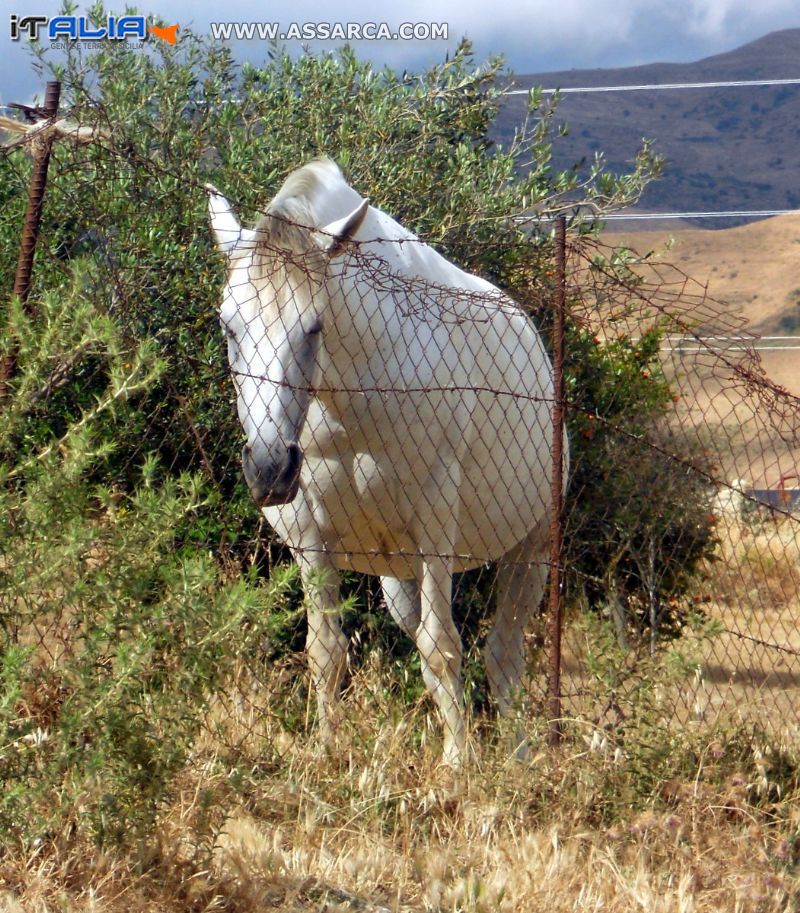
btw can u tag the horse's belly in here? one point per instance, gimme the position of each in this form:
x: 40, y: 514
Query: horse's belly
x: 506, y: 477
x: 492, y: 521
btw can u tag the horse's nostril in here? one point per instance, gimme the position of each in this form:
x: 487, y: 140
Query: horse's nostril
x: 295, y: 457
x: 272, y: 480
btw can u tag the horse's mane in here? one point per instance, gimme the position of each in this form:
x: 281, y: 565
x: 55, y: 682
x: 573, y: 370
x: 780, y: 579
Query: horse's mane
x: 298, y: 208
x: 315, y: 195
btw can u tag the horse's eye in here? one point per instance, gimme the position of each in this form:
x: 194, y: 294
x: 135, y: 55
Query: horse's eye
x: 315, y: 328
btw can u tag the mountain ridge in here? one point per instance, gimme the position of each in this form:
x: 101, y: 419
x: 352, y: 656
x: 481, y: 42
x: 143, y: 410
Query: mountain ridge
x: 726, y: 148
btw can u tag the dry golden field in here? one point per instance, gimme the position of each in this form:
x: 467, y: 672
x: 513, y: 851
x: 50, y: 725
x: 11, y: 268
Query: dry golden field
x: 751, y: 277
x: 746, y: 282
x: 753, y: 269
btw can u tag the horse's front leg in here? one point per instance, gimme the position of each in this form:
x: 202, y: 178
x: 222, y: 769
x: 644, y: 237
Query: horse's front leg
x: 326, y: 645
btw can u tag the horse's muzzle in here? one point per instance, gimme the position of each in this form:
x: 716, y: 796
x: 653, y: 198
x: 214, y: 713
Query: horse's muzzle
x: 273, y: 481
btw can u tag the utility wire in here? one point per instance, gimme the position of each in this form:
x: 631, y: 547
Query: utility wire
x: 655, y: 216
x: 733, y: 213
x: 659, y: 86
x: 649, y: 216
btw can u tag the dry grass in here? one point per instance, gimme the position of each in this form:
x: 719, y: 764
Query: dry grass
x: 743, y: 666
x: 471, y: 849
x: 655, y: 816
x: 752, y: 666
x: 753, y: 268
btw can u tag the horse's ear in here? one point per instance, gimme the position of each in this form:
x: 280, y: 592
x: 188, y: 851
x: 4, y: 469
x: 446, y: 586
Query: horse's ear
x: 333, y: 237
x: 227, y: 231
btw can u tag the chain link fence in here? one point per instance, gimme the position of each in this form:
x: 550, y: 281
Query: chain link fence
x: 394, y: 419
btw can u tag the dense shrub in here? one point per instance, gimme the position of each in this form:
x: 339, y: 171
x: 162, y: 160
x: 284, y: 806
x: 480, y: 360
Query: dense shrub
x: 640, y: 521
x: 115, y: 627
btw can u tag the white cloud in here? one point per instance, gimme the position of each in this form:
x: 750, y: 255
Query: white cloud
x: 730, y: 18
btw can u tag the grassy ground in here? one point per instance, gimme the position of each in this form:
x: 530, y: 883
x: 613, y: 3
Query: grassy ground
x: 675, y: 788
x: 424, y: 847
x: 646, y: 814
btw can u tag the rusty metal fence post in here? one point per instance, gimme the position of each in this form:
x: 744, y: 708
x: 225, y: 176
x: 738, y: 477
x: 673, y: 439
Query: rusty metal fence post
x: 30, y: 229
x: 556, y: 519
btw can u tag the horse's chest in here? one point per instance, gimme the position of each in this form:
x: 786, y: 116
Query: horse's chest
x: 370, y: 491
x: 363, y: 510
x: 378, y: 481
x: 406, y: 421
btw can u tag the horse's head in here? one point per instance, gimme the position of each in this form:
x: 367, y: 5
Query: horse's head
x: 273, y: 315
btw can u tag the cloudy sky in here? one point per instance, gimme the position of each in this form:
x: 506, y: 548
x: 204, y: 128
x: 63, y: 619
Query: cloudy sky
x: 533, y: 35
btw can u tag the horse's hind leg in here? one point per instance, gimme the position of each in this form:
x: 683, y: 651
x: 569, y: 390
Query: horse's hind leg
x: 326, y: 644
x: 402, y: 598
x: 521, y: 579
x: 439, y: 645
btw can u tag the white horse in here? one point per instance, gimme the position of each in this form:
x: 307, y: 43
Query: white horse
x: 397, y: 414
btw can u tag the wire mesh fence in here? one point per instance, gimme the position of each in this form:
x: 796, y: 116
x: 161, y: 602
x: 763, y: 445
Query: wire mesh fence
x: 392, y: 418
x: 728, y: 432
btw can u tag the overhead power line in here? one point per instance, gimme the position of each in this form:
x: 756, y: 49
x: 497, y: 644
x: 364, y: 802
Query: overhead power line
x: 743, y: 338
x: 660, y: 86
x: 655, y: 216
x: 690, y: 343
x: 725, y: 214
x: 698, y: 349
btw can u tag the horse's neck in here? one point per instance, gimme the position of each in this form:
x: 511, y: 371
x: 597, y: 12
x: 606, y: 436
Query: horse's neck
x: 358, y: 322
x: 405, y: 307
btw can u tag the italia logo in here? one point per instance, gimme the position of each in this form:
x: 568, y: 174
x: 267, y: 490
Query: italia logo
x: 79, y: 28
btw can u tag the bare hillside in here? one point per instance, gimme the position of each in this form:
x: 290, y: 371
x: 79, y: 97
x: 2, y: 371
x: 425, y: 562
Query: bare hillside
x: 753, y: 270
